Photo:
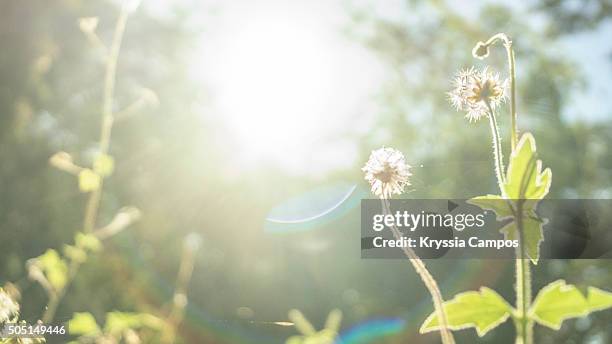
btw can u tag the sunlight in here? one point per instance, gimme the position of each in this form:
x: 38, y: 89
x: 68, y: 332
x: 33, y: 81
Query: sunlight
x: 277, y: 79
x: 284, y: 79
x: 277, y: 84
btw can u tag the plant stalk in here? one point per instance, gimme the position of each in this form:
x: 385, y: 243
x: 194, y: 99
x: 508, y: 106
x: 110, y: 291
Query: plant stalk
x: 523, y: 291
x: 497, y: 148
x: 179, y: 299
x: 507, y: 42
x: 93, y: 202
x: 524, y: 326
x: 106, y: 127
x: 430, y: 282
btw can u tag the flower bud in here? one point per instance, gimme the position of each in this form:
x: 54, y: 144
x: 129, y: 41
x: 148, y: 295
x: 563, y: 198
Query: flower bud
x: 480, y: 51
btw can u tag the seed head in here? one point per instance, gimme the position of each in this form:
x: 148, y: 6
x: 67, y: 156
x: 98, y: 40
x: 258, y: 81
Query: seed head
x: 387, y: 172
x: 8, y: 307
x: 473, y: 89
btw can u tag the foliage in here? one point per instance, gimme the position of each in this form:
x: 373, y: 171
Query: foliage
x: 118, y: 326
x: 482, y: 310
x: 525, y: 185
x: 308, y: 333
x: 522, y: 186
x: 559, y: 301
x: 55, y: 272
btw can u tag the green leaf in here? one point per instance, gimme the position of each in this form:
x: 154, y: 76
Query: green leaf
x: 599, y: 299
x: 54, y: 267
x: 482, y: 310
x: 75, y: 253
x: 295, y: 340
x: 104, y: 165
x: 559, y: 301
x: 83, y: 324
x: 556, y: 302
x: 525, y: 179
x: 496, y: 203
x: 89, y: 180
x: 117, y: 322
x: 301, y: 323
x: 87, y: 241
x: 533, y: 234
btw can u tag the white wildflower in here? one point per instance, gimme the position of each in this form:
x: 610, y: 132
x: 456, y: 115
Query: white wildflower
x: 387, y: 172
x: 475, y: 90
x: 8, y: 307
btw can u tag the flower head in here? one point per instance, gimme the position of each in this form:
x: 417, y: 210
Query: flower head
x: 8, y: 307
x: 475, y: 91
x: 387, y: 172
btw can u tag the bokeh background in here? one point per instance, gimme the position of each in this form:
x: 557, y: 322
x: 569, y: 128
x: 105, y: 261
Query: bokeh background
x: 253, y: 121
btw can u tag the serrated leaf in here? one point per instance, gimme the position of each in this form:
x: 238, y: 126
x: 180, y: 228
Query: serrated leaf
x: 559, y: 301
x: 556, y: 302
x: 533, y: 235
x: 482, y: 310
x: 83, y: 324
x: 104, y: 165
x: 598, y: 299
x: 495, y: 203
x: 525, y: 179
x: 89, y: 180
x: 54, y: 267
x: 87, y: 241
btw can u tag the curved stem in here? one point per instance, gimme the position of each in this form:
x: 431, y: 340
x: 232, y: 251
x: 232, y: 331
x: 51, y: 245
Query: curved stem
x: 523, y: 274
x: 507, y: 42
x: 430, y: 282
x: 93, y: 202
x: 106, y: 128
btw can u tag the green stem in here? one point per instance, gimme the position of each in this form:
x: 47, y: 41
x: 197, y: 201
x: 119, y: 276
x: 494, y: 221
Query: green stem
x: 93, y: 202
x: 512, y: 72
x: 513, y: 115
x: 523, y: 274
x: 106, y: 128
x: 497, y: 148
x: 523, y: 284
x: 428, y: 280
x: 179, y: 299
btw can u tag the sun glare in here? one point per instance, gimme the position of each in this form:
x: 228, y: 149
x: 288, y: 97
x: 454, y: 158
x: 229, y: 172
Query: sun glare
x: 282, y: 80
x: 277, y: 84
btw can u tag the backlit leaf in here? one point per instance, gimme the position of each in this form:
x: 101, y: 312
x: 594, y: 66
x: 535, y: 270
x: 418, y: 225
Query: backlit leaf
x: 533, y: 234
x: 482, y: 310
x: 559, y: 301
x: 525, y: 179
x: 83, y: 324
x: 496, y: 203
x: 54, y: 267
x: 89, y: 180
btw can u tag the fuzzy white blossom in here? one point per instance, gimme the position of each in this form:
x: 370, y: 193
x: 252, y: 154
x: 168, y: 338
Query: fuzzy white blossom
x: 474, y: 91
x: 8, y: 307
x: 387, y: 172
